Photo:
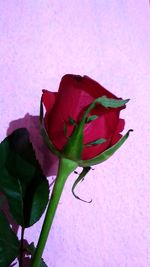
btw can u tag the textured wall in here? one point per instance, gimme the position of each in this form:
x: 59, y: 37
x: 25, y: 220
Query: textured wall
x: 109, y: 41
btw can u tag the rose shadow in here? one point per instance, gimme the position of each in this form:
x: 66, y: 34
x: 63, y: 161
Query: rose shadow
x: 47, y: 161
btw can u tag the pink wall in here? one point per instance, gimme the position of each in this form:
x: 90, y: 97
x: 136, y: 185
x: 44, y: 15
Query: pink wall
x: 109, y: 41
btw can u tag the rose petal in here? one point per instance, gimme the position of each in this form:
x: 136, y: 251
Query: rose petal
x: 94, y: 88
x: 48, y: 99
x: 70, y: 102
x: 103, y: 127
x: 120, y: 125
x: 116, y: 136
x: 88, y: 85
x: 115, y: 139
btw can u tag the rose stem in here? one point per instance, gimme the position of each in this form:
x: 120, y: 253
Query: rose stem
x: 21, y: 246
x: 66, y: 166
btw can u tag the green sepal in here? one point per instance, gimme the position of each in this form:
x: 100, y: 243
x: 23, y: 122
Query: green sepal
x: 45, y: 134
x: 65, y: 129
x: 72, y: 121
x: 106, y: 154
x: 80, y: 179
x: 105, y: 102
x: 9, y: 243
x: 74, y: 147
x: 96, y: 142
x: 91, y: 118
x: 110, y: 102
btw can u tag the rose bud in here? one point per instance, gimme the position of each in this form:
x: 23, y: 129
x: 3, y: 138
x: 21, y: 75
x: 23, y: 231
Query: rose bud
x: 82, y: 124
x: 82, y: 121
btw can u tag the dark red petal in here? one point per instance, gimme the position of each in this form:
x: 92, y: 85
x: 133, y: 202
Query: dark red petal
x: 95, y: 89
x: 103, y: 127
x: 116, y: 136
x: 48, y: 99
x: 70, y: 102
x: 71, y: 98
x: 115, y: 139
x: 88, y: 85
x: 120, y: 125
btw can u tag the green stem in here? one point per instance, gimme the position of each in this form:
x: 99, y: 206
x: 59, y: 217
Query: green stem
x: 66, y: 166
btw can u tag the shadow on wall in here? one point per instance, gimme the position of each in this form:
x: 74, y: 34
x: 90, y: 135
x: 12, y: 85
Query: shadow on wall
x: 47, y: 161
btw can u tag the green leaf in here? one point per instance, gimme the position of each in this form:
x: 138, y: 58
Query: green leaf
x: 110, y: 102
x: 9, y: 244
x: 106, y: 154
x: 21, y: 179
x: 31, y: 249
x: 96, y: 142
x: 91, y: 118
x: 72, y: 121
x: 80, y: 179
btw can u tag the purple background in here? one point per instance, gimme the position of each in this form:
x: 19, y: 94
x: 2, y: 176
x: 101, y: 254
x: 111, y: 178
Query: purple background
x: 110, y: 42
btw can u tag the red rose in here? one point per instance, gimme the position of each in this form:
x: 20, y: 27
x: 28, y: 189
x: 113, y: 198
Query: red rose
x: 65, y: 109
